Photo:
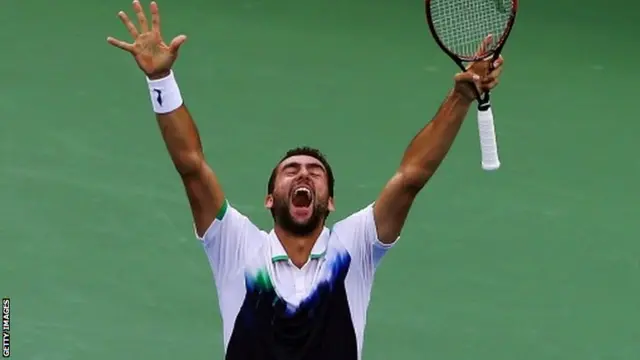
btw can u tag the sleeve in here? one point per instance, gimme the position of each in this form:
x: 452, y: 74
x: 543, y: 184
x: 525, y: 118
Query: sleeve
x: 225, y: 241
x: 358, y: 233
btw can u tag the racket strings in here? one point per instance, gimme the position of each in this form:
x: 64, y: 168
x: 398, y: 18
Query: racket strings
x: 462, y: 25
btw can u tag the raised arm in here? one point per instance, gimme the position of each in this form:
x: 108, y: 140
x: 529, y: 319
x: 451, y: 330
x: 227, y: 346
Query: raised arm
x: 178, y: 129
x: 205, y: 194
x: 427, y: 150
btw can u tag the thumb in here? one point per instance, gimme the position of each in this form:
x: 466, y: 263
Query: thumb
x: 176, y: 43
x: 467, y: 77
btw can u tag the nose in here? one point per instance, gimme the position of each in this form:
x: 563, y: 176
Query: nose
x: 304, y: 171
x: 304, y: 174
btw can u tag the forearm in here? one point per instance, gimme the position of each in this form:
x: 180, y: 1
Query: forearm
x: 178, y: 129
x: 180, y: 135
x: 182, y: 140
x: 428, y: 148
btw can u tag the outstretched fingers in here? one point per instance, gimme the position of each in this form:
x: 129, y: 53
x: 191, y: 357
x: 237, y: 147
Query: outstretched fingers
x: 142, y: 19
x: 120, y: 44
x: 131, y: 28
x: 128, y: 24
x: 155, y: 17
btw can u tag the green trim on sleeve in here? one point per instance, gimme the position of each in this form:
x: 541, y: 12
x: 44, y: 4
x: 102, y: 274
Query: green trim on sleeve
x: 223, y: 210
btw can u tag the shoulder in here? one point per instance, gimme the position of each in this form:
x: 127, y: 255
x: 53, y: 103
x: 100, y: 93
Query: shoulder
x: 230, y: 223
x: 359, y: 234
x: 357, y: 229
x: 356, y: 221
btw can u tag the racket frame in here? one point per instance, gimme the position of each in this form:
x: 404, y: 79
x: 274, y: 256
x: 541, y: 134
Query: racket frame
x: 459, y: 60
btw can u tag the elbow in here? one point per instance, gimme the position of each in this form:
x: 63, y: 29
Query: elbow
x: 188, y: 163
x: 413, y: 179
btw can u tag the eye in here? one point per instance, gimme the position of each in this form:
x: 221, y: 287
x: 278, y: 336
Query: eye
x: 316, y: 173
x: 289, y: 171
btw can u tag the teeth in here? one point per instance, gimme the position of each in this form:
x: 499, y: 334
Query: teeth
x: 303, y: 189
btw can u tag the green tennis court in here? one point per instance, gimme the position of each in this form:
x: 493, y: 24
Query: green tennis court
x: 537, y: 261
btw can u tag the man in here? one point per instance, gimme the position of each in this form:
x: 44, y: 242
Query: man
x: 301, y: 291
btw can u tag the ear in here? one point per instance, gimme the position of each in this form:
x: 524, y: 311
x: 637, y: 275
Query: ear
x: 331, y: 205
x: 268, y: 201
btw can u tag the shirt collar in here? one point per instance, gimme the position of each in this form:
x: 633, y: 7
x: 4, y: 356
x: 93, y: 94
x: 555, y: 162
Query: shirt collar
x: 318, y: 251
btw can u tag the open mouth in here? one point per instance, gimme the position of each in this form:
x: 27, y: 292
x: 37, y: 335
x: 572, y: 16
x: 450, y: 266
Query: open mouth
x: 301, y: 197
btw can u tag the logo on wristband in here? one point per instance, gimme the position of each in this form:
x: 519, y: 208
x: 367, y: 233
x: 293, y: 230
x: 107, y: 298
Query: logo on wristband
x: 159, y: 97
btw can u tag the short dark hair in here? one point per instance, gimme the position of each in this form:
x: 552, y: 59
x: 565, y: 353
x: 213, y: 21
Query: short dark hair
x: 307, y: 151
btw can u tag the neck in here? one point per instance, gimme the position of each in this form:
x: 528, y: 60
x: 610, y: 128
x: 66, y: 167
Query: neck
x: 298, y: 248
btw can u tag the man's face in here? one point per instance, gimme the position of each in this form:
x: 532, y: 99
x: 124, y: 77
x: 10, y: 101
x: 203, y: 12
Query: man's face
x: 300, y: 199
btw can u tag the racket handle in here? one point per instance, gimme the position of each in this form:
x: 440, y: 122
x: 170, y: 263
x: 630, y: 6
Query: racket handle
x: 488, y: 143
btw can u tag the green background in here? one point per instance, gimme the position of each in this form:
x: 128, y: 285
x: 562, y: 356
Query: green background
x: 537, y: 261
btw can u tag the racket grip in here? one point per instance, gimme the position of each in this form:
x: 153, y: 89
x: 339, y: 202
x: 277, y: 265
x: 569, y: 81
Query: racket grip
x: 488, y: 142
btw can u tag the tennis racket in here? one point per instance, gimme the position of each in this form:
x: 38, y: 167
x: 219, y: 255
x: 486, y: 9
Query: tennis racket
x: 459, y: 27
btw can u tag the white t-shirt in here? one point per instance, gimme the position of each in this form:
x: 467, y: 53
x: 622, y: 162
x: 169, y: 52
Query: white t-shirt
x: 273, y: 310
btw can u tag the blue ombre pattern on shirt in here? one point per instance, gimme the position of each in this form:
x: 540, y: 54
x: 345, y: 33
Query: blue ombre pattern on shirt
x: 319, y: 327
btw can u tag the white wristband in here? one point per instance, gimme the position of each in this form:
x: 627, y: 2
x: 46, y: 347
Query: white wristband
x: 165, y: 94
